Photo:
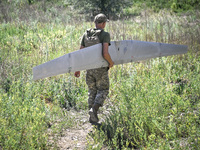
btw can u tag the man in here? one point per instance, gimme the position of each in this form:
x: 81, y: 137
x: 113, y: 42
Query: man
x: 97, y: 79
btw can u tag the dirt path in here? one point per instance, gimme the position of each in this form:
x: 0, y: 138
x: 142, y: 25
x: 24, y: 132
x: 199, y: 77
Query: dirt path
x: 76, y: 137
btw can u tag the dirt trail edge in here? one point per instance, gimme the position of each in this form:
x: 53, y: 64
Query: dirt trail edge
x: 76, y: 138
x: 73, y: 137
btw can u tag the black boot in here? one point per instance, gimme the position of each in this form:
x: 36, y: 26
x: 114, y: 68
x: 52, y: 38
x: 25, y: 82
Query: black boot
x: 93, y: 113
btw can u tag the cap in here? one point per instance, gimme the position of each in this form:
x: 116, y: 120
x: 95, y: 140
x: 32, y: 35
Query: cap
x: 100, y: 18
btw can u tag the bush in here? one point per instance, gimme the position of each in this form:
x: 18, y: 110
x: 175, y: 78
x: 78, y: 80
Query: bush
x: 112, y: 8
x: 173, y: 5
x: 150, y: 110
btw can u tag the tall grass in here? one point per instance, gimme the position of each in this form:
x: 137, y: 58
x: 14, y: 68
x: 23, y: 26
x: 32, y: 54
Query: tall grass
x: 29, y: 108
x: 156, y: 107
x: 155, y: 104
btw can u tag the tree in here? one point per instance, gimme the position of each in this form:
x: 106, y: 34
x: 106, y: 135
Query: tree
x: 111, y: 8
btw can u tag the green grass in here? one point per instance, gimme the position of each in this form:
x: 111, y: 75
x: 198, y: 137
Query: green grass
x: 155, y: 107
x: 155, y: 104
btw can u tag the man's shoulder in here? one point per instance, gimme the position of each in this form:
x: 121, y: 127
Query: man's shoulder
x: 104, y: 37
x: 105, y: 34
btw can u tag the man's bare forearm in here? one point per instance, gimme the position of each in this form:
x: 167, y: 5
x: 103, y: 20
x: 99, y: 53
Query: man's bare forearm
x: 106, y: 55
x: 108, y: 58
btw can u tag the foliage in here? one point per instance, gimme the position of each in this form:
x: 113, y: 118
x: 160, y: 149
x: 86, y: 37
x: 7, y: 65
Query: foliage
x: 154, y: 104
x: 111, y: 8
x: 56, y: 10
x: 28, y: 108
x: 173, y: 5
x: 155, y: 108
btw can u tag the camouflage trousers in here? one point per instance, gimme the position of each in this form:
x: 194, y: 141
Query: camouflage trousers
x: 98, y: 85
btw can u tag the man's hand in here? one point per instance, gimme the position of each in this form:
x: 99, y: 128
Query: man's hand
x: 77, y: 74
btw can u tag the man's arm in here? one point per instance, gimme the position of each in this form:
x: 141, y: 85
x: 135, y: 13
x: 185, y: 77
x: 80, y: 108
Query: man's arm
x: 77, y: 73
x: 82, y: 47
x: 106, y: 55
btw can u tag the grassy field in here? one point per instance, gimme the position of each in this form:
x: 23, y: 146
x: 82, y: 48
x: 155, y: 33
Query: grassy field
x: 154, y: 104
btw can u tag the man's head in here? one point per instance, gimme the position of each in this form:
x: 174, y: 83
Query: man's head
x: 100, y: 20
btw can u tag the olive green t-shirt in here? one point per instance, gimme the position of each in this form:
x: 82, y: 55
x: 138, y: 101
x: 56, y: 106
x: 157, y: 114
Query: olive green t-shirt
x: 104, y: 37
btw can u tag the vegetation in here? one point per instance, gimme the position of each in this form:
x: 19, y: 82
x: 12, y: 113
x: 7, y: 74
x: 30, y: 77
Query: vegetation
x: 112, y: 8
x: 154, y: 104
x: 173, y: 5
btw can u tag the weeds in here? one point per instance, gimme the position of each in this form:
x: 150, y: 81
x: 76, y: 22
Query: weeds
x: 151, y: 110
x: 155, y: 103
